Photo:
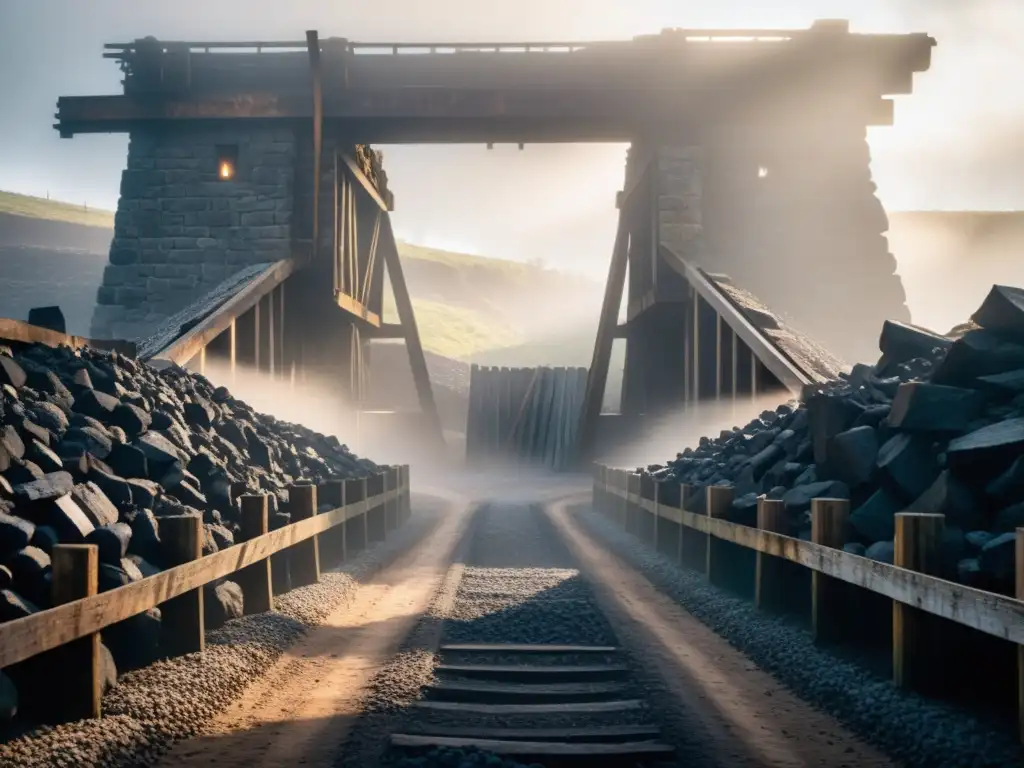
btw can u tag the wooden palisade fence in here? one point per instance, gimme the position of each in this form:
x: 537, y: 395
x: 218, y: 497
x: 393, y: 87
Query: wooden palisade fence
x: 661, y: 515
x: 527, y: 415
x: 361, y: 511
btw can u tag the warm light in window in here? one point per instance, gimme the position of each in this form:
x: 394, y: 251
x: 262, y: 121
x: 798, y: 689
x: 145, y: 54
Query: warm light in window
x: 227, y: 161
x: 762, y: 172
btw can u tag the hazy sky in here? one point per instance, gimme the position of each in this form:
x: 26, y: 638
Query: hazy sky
x: 958, y: 141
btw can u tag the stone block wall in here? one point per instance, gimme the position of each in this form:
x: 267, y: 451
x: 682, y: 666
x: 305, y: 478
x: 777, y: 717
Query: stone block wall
x: 179, y: 230
x: 680, y: 192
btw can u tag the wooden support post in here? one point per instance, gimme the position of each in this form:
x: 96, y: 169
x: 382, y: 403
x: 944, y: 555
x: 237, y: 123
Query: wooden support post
x: 233, y: 348
x: 202, y: 361
x: 633, y: 508
x: 355, y: 533
x: 915, y: 643
x: 685, y: 489
x: 256, y: 580
x: 1019, y: 594
x: 769, y: 571
x: 75, y: 569
x: 305, y: 556
x: 829, y: 520
x: 333, y: 542
x: 390, y: 484
x: 719, y: 500
x: 655, y: 540
x: 182, y: 626
x: 406, y: 492
x: 597, y: 375
x: 375, y: 517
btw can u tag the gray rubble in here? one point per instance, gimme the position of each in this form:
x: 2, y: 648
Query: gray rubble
x: 936, y: 425
x: 97, y: 448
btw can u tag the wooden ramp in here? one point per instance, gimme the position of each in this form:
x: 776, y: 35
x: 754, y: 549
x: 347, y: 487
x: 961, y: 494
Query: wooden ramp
x: 510, y: 698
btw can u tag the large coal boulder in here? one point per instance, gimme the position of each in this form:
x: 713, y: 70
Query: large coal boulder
x: 936, y: 425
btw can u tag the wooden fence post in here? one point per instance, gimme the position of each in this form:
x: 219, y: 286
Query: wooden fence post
x: 182, y: 625
x: 686, y: 539
x: 1019, y: 594
x: 406, y: 493
x: 829, y: 616
x: 632, y: 502
x: 769, y: 571
x: 375, y: 515
x: 355, y: 534
x: 657, y: 513
x: 645, y: 521
x: 75, y: 569
x: 391, y: 506
x: 332, y: 542
x: 915, y: 643
x: 305, y: 555
x: 255, y: 580
x: 719, y: 500
x: 596, y: 502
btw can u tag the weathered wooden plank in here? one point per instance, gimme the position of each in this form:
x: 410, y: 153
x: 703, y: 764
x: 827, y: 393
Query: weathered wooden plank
x: 508, y: 693
x: 26, y: 637
x: 529, y: 671
x: 527, y: 648
x: 622, y: 750
x: 574, y: 708
x: 24, y: 333
x: 185, y: 347
x: 610, y: 733
x: 986, y: 612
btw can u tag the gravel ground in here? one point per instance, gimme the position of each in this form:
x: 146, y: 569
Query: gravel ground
x: 152, y: 708
x: 518, y: 586
x: 920, y: 732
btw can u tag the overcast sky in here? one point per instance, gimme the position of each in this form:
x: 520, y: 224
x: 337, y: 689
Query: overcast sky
x: 958, y: 141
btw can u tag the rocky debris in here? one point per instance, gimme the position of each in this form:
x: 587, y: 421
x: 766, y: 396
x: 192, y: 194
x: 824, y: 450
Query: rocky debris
x: 936, y: 425
x: 96, y: 448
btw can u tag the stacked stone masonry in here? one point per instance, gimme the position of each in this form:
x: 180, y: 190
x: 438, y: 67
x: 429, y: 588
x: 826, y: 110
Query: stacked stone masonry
x: 793, y: 218
x: 179, y: 230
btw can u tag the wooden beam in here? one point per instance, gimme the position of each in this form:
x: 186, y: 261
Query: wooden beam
x: 357, y: 309
x: 784, y: 369
x: 389, y: 331
x: 185, y: 347
x: 21, y: 332
x: 364, y: 182
x: 407, y: 318
x: 316, y: 74
x: 597, y: 375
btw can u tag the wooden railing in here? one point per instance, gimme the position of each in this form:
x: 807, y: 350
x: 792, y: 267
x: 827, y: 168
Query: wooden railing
x: 363, y: 511
x: 657, y: 513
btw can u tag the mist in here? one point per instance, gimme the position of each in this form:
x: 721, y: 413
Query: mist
x: 676, y: 431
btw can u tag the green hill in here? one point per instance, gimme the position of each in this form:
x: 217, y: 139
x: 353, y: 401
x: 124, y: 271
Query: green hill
x: 54, y: 210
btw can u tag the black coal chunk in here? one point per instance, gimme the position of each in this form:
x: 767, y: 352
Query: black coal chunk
x: 1002, y: 311
x: 923, y: 407
x: 908, y: 465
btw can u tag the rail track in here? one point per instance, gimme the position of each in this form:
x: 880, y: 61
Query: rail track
x: 528, y: 668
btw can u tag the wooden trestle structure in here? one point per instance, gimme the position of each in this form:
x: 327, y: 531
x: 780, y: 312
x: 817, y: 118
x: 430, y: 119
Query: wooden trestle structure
x: 687, y: 337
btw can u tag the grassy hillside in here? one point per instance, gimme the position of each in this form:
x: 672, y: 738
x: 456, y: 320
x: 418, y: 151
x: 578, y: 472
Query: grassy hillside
x: 54, y: 210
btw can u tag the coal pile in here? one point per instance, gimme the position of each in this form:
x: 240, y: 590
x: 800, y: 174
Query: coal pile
x: 936, y: 425
x: 98, y: 448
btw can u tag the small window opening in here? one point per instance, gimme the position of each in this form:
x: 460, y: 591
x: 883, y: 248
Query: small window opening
x: 761, y: 172
x: 227, y: 161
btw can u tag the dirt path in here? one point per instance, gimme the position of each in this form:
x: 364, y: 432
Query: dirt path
x: 737, y: 715
x: 300, y: 711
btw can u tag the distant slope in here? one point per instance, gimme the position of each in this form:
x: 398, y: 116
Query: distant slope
x: 55, y: 210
